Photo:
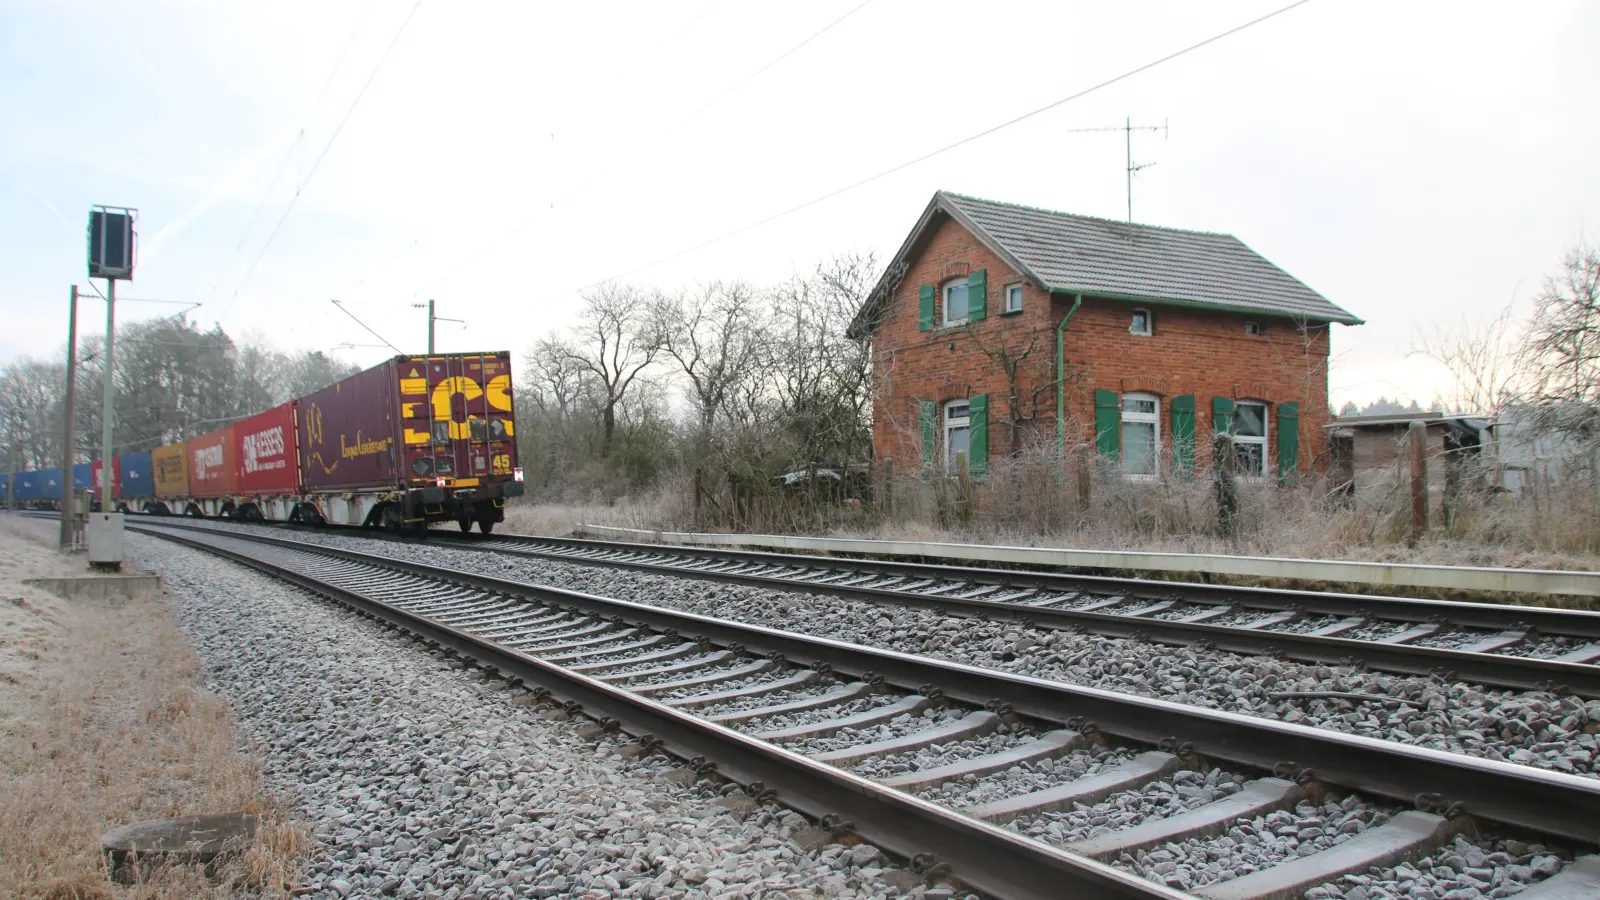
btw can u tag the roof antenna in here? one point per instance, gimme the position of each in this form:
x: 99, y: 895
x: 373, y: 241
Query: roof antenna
x: 1128, y: 129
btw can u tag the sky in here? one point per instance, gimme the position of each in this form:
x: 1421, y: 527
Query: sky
x: 1422, y: 164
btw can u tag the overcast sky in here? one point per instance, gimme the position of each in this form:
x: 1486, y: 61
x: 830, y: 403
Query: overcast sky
x: 1415, y: 162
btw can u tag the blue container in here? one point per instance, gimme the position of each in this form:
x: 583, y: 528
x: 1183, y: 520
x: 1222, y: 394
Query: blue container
x: 5, y: 486
x: 43, y: 485
x: 83, y: 477
x: 138, y: 478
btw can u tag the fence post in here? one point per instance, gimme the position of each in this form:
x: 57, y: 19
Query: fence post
x: 887, y: 503
x: 1224, y: 463
x: 1085, y: 476
x: 1417, y: 437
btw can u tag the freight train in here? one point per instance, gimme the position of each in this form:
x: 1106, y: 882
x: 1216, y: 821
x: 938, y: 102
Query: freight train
x: 412, y: 441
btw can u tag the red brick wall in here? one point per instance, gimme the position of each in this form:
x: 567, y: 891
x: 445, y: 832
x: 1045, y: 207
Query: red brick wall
x: 1201, y: 352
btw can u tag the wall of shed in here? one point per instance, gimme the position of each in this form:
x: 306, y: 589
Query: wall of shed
x: 1381, y: 465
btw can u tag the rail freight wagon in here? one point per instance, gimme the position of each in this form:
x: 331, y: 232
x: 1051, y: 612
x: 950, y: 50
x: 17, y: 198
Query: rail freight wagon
x: 416, y: 439
x: 135, y: 481
x: 83, y: 477
x: 213, y: 481
x: 267, y: 464
x: 39, y: 490
x: 169, y: 466
x: 116, y: 478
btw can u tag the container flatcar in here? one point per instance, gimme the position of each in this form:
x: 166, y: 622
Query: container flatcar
x: 135, y: 482
x: 171, y: 470
x: 213, y: 478
x: 265, y: 453
x: 39, y: 490
x: 414, y: 440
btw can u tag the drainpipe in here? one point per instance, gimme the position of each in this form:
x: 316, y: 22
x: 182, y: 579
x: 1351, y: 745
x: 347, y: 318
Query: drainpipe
x: 1061, y: 387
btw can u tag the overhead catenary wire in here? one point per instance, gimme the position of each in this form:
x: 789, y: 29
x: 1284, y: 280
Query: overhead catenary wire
x: 364, y: 325
x: 751, y: 226
x: 317, y: 163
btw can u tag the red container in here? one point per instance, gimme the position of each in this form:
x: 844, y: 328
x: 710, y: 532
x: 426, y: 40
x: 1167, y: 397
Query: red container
x: 265, y: 450
x: 411, y: 422
x: 211, y: 466
x: 116, y: 477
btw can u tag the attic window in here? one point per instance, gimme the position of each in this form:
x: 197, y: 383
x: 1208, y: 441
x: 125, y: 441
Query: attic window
x: 1254, y: 328
x: 1143, y: 323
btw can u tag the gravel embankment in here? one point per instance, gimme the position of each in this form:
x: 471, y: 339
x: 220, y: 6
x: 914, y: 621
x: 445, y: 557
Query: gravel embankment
x: 1539, y: 729
x: 424, y: 780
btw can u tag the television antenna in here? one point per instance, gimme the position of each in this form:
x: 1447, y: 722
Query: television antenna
x: 1127, y: 128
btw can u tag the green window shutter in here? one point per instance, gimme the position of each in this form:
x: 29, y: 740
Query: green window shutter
x: 930, y: 433
x: 1183, y: 434
x: 1288, y: 442
x: 925, y: 304
x: 978, y: 294
x: 1222, y: 414
x: 1107, y: 424
x: 978, y: 446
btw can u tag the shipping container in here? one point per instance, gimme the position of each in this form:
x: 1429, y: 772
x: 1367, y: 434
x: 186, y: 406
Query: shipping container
x: 43, y: 485
x: 171, y: 465
x: 83, y: 476
x: 135, y: 481
x: 116, y: 475
x: 211, y: 464
x: 439, y: 428
x: 265, y: 451
x: 456, y: 413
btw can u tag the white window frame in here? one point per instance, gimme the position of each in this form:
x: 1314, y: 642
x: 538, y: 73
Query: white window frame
x: 1149, y: 329
x: 953, y: 423
x: 1264, y: 440
x: 944, y: 302
x: 1153, y: 418
x: 1012, y: 289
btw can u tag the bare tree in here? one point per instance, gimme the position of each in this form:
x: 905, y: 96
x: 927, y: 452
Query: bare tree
x: 618, y: 336
x: 1563, y: 349
x: 714, y: 336
x: 1484, y: 359
x: 1022, y: 353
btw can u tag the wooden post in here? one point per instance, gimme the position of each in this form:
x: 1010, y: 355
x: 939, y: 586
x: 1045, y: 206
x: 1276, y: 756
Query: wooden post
x: 887, y: 504
x: 963, y: 505
x: 1417, y: 436
x: 1085, y: 476
x: 1224, y: 465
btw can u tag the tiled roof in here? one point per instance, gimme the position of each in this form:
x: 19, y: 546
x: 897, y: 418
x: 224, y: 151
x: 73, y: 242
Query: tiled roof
x: 1079, y: 254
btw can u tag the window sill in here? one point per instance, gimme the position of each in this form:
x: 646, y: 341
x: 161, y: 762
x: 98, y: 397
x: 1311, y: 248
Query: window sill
x: 1011, y: 312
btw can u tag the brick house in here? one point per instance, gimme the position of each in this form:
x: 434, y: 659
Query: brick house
x: 999, y: 327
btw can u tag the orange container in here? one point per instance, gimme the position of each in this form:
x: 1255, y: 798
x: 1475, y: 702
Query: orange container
x: 212, y: 472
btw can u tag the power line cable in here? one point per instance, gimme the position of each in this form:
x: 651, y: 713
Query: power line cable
x: 942, y: 150
x: 289, y: 156
x: 339, y: 129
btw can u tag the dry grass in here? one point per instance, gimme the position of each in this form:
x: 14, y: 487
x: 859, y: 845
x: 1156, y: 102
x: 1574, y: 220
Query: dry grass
x: 103, y: 721
x: 1026, y: 502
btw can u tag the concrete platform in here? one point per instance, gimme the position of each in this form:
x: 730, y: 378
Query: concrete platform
x: 124, y: 586
x: 186, y: 840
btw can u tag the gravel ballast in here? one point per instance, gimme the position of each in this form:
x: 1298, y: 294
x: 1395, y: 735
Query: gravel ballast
x: 1534, y: 728
x: 421, y: 779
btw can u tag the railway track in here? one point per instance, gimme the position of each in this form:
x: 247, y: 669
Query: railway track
x: 929, y: 759
x: 1527, y: 648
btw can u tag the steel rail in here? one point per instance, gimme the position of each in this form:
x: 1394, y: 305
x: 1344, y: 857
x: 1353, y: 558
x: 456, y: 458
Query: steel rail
x: 1493, y: 669
x: 1534, y: 799
x: 983, y: 856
